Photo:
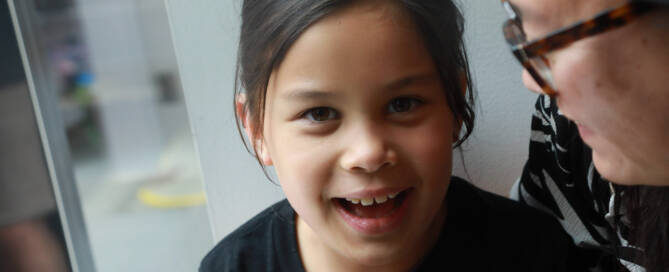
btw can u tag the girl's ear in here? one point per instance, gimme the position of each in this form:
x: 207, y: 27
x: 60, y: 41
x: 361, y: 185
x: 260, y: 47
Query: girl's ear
x: 262, y: 153
x: 257, y: 142
x: 240, y: 109
x: 457, y: 125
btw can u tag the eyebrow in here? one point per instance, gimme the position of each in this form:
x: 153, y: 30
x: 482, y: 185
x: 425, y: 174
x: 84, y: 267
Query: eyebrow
x: 410, y: 80
x: 399, y: 84
x: 307, y: 94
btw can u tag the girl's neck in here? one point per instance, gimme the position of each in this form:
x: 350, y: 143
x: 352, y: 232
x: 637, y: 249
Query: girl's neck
x: 318, y: 256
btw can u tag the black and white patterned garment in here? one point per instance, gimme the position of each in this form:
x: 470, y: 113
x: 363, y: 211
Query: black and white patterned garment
x: 559, y: 178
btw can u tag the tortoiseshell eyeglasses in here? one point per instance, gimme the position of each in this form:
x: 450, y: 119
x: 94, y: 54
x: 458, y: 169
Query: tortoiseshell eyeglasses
x: 531, y: 54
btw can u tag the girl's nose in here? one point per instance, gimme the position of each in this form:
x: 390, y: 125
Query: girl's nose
x: 368, y: 152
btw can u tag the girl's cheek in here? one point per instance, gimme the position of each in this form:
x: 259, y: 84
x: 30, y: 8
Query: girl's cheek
x: 431, y: 144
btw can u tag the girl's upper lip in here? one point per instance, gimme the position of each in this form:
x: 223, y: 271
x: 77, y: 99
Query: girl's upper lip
x: 374, y: 192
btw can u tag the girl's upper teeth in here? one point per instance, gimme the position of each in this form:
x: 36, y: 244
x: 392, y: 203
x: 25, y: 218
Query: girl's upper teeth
x: 381, y: 199
x: 366, y: 201
x: 370, y: 201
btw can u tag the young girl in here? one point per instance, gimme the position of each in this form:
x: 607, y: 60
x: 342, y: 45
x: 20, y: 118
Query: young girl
x: 357, y: 105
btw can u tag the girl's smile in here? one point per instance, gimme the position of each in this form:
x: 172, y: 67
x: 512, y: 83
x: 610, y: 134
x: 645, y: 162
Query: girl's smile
x: 374, y: 213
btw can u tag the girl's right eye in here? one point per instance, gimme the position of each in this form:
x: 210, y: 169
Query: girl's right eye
x: 320, y: 114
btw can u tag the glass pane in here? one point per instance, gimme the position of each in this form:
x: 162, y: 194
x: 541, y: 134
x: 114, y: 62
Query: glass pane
x: 112, y: 66
x: 31, y: 237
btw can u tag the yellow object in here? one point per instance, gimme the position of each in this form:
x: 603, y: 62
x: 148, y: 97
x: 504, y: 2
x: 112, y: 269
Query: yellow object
x: 154, y: 199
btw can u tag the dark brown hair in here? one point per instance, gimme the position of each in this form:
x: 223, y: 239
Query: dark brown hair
x: 647, y: 208
x: 270, y: 27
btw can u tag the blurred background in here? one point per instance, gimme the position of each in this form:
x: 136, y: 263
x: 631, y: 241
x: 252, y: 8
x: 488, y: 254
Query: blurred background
x: 118, y: 148
x: 112, y: 126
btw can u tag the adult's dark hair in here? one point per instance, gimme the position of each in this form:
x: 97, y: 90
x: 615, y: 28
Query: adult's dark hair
x: 270, y: 27
x: 647, y: 209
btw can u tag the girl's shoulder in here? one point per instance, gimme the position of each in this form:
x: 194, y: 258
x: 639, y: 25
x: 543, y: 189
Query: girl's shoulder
x: 260, y: 238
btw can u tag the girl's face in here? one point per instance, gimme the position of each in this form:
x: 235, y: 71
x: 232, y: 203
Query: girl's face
x: 358, y: 129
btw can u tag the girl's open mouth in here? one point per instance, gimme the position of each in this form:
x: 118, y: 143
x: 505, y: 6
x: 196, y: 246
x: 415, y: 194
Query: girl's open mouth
x: 374, y: 215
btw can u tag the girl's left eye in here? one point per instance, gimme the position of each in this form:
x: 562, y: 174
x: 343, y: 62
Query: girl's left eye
x: 320, y: 114
x: 403, y: 104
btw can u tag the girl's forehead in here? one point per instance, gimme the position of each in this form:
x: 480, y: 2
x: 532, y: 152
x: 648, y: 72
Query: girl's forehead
x: 366, y: 15
x: 356, y: 48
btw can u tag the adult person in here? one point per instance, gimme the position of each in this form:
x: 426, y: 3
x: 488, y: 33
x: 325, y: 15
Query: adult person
x: 599, y: 158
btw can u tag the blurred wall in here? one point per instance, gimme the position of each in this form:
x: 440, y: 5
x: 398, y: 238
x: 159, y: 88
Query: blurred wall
x: 496, y: 152
x: 205, y: 35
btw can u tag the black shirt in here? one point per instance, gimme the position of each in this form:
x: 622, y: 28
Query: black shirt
x: 482, y: 232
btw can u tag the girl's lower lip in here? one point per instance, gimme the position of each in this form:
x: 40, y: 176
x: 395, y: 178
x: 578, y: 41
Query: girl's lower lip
x: 376, y: 226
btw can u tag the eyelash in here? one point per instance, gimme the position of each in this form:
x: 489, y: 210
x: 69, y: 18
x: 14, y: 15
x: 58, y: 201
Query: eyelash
x: 332, y: 114
x: 414, y: 102
x: 308, y: 114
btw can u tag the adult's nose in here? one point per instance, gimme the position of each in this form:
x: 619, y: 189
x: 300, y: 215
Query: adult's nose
x: 530, y: 83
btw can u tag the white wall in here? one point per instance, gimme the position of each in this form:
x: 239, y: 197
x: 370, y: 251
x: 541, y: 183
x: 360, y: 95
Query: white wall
x: 205, y: 33
x: 496, y: 152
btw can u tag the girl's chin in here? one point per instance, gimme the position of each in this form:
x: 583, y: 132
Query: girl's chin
x: 379, y: 257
